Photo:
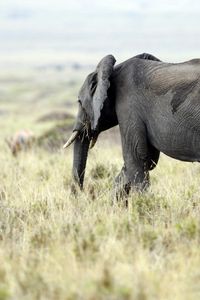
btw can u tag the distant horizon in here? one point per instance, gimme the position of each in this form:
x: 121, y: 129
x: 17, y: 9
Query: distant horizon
x: 82, y: 31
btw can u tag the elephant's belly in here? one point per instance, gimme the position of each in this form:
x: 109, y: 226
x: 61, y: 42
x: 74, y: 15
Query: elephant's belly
x: 183, y: 155
x: 181, y: 145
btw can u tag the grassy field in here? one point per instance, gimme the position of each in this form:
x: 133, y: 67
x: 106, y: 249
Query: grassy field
x: 55, y: 245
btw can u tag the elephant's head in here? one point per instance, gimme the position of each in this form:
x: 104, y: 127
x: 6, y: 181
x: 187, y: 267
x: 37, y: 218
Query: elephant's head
x: 94, y: 115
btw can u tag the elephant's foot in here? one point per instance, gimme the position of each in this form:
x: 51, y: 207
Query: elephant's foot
x: 124, y: 184
x: 121, y: 186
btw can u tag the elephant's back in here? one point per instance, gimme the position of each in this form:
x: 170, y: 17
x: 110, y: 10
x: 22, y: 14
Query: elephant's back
x: 170, y: 77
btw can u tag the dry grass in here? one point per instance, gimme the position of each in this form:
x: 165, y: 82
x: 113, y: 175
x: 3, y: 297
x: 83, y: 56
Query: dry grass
x: 54, y: 245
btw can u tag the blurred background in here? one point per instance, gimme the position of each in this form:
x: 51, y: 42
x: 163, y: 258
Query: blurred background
x: 47, y: 47
x: 41, y: 32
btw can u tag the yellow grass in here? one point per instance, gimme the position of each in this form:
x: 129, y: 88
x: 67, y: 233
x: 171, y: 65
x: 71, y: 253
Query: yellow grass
x: 57, y: 245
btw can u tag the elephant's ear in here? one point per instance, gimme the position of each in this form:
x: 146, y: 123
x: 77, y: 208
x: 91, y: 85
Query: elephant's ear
x: 103, y: 73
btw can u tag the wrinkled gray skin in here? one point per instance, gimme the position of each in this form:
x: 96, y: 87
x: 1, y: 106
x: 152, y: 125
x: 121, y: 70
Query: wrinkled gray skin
x: 157, y: 107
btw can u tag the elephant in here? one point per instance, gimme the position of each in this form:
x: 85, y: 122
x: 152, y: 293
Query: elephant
x: 157, y: 107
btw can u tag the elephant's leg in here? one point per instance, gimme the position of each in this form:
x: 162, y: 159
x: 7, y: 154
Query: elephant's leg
x: 134, y: 177
x: 137, y: 175
x: 121, y: 185
x: 137, y: 156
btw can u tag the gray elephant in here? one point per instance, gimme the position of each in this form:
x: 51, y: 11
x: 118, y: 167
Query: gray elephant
x: 157, y: 107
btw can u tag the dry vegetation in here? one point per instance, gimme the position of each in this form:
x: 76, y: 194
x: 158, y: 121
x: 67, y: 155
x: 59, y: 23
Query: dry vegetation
x: 55, y: 245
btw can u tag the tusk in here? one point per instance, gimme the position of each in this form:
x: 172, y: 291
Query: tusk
x: 93, y: 142
x: 71, y: 139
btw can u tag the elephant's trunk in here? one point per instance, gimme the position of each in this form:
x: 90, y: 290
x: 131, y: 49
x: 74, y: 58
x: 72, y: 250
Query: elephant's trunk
x: 81, y: 147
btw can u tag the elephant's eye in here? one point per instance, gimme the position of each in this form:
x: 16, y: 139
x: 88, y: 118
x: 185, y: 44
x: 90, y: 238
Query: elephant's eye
x: 79, y: 101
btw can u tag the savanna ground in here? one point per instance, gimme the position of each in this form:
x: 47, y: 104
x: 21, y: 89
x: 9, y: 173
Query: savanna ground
x: 57, y: 245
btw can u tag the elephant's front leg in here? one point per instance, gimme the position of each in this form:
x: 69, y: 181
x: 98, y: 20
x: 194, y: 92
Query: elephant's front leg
x: 135, y: 172
x: 137, y: 175
x: 136, y: 166
x: 134, y: 177
x: 121, y: 185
